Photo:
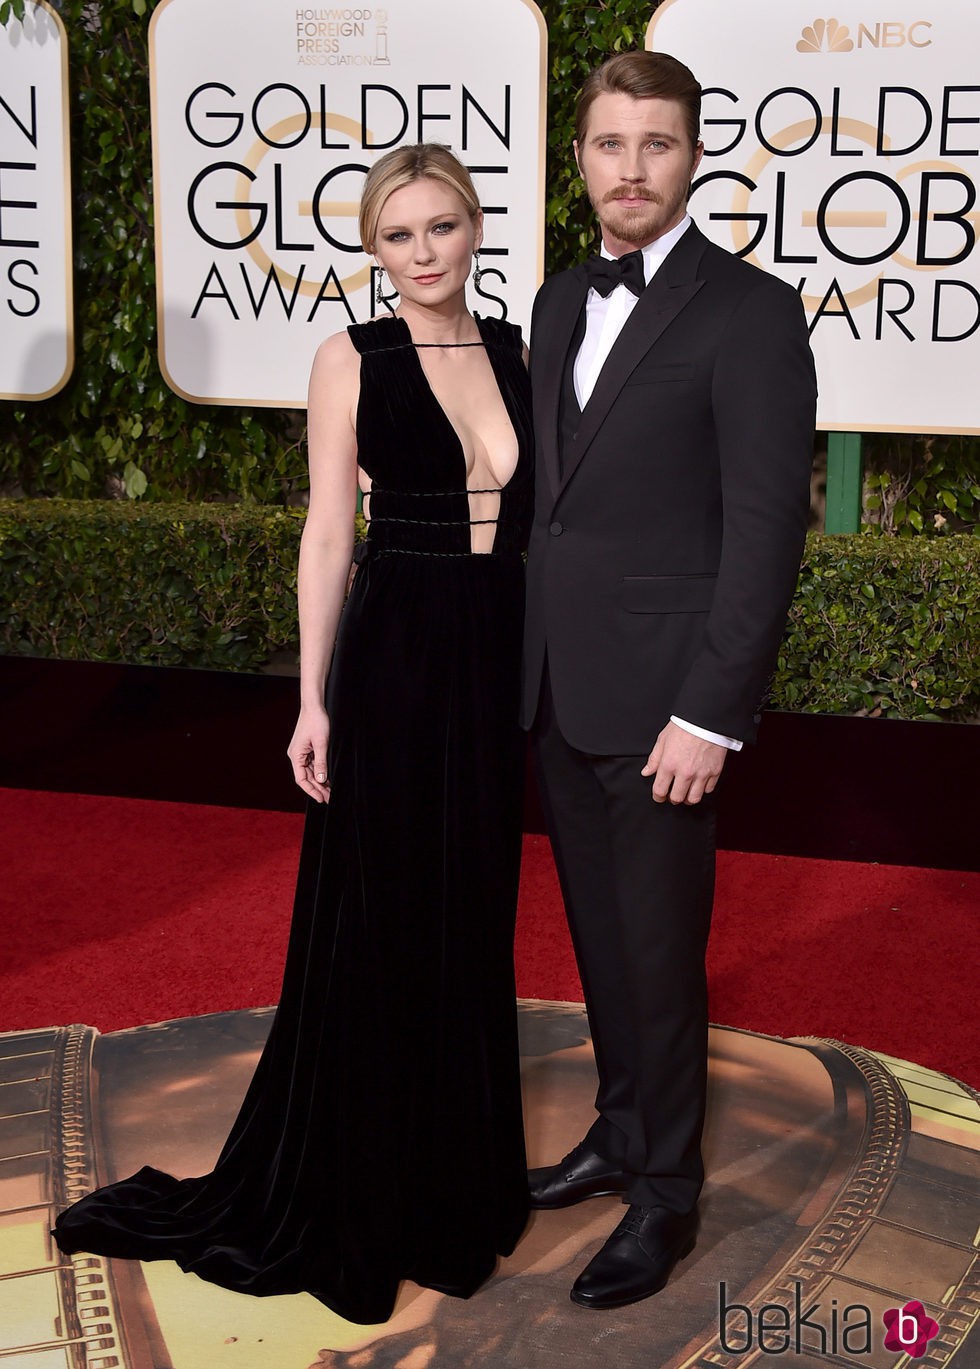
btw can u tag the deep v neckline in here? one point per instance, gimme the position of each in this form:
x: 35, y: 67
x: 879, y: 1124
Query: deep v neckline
x: 437, y: 402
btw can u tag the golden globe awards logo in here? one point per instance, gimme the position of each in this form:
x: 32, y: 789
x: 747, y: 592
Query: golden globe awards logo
x: 851, y: 174
x: 35, y: 225
x: 261, y: 146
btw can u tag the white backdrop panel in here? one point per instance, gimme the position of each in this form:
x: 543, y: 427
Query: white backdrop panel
x: 841, y: 154
x: 266, y: 117
x: 36, y: 333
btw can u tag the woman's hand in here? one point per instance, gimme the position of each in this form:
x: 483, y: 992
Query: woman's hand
x: 307, y: 753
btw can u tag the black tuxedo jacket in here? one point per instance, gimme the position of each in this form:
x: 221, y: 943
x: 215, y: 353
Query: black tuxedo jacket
x: 667, y: 535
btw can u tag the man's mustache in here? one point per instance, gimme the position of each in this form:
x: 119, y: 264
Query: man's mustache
x: 628, y: 192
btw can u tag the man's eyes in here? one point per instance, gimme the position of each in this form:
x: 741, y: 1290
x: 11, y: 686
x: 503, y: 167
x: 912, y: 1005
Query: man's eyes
x: 658, y: 144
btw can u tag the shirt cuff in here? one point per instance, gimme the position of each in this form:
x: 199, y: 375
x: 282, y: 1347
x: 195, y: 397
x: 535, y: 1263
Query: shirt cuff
x: 716, y: 737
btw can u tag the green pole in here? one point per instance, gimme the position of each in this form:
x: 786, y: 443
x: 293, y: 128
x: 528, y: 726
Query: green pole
x: 844, y: 482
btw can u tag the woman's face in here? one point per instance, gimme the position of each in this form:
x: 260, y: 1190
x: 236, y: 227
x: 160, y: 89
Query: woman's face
x: 425, y: 240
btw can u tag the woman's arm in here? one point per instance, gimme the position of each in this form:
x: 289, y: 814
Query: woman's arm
x: 325, y: 550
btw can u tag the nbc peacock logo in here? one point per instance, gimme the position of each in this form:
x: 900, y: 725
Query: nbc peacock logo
x: 825, y: 35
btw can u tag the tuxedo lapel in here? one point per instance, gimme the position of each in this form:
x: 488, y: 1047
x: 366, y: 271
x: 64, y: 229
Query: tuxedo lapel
x: 670, y: 291
x: 552, y: 340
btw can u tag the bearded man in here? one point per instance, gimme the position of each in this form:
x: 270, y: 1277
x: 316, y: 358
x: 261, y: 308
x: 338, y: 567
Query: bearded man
x: 674, y: 407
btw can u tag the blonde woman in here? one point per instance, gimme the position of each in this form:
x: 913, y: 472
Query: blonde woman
x: 381, y: 1138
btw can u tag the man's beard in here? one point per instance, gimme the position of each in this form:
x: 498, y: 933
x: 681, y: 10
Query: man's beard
x: 634, y: 223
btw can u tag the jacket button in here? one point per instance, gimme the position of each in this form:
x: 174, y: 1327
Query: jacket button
x: 556, y: 529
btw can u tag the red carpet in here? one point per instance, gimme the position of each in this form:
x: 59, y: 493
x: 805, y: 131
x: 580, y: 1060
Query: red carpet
x: 119, y: 911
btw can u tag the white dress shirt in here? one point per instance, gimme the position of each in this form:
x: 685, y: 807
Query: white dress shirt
x: 604, y: 319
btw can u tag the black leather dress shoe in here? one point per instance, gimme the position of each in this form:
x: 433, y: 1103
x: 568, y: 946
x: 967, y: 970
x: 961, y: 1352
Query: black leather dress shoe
x: 637, y: 1259
x: 582, y: 1174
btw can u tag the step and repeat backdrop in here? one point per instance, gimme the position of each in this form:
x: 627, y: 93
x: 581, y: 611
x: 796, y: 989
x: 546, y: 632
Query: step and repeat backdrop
x: 36, y: 335
x: 266, y: 116
x: 841, y: 154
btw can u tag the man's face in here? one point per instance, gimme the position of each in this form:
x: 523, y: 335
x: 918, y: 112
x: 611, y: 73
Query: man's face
x: 637, y: 163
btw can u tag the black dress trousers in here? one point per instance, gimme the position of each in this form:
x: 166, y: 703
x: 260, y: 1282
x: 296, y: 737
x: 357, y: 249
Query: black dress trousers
x: 637, y: 879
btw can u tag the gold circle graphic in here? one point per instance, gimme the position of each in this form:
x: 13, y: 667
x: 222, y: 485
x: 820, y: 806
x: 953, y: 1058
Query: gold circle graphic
x: 864, y: 132
x: 338, y: 123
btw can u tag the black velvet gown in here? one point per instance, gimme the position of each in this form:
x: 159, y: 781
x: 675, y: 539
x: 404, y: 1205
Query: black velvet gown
x: 381, y: 1137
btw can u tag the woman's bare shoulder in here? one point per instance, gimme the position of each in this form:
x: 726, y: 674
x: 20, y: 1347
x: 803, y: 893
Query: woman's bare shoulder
x: 335, y: 375
x: 336, y: 350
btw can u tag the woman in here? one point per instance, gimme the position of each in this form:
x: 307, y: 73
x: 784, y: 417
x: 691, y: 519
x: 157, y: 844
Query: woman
x: 381, y: 1136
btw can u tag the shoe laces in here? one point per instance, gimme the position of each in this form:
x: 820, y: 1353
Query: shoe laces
x: 632, y: 1223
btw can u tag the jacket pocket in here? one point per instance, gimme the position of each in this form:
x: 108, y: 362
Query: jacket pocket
x: 665, y: 370
x: 668, y: 593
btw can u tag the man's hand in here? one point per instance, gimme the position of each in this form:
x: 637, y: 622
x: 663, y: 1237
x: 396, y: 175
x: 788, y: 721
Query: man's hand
x: 687, y: 767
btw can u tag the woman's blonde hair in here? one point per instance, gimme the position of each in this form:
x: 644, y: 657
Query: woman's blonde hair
x: 422, y: 161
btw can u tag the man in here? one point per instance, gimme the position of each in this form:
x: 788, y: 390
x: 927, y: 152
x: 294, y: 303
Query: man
x: 674, y: 401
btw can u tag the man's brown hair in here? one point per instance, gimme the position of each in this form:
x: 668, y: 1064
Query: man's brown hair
x: 644, y: 76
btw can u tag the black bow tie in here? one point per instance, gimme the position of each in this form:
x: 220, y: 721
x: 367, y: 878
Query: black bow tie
x: 605, y: 273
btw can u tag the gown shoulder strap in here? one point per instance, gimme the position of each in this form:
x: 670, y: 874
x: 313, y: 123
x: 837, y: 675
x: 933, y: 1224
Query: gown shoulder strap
x: 386, y: 334
x: 380, y: 334
x: 498, y: 332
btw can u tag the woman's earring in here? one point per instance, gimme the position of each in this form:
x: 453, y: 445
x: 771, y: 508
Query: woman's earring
x: 477, y: 269
x: 379, y: 294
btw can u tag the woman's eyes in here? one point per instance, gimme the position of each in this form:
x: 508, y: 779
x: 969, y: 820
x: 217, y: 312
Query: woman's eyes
x: 399, y: 234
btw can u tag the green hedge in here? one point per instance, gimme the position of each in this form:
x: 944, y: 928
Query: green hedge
x: 886, y: 627
x: 208, y: 585
x: 879, y: 625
